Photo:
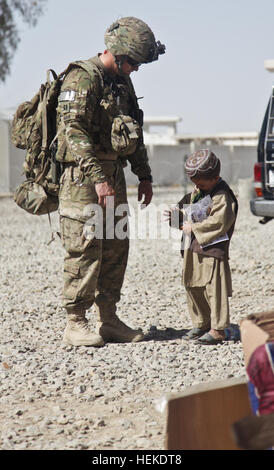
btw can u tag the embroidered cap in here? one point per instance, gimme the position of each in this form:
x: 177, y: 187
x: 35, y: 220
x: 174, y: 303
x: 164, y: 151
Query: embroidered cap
x: 201, y: 162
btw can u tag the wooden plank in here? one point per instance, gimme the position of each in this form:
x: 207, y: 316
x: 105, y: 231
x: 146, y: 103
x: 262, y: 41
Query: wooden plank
x: 201, y: 417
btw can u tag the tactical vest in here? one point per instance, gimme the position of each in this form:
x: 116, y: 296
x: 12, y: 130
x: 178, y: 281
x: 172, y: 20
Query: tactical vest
x: 115, y: 123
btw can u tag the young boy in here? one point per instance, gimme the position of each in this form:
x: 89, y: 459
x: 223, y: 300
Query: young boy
x: 206, y: 272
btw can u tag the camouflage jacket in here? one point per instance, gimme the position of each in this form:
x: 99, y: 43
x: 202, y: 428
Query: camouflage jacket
x: 87, y: 103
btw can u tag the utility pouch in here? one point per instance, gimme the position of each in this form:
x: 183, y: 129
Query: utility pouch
x: 125, y: 135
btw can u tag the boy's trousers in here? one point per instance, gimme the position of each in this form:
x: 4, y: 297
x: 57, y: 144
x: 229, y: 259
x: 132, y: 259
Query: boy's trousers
x: 208, y: 304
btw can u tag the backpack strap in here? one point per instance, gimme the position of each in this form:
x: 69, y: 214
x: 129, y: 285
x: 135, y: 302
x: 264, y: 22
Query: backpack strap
x: 88, y: 66
x: 44, y: 120
x: 44, y: 108
x: 54, y: 74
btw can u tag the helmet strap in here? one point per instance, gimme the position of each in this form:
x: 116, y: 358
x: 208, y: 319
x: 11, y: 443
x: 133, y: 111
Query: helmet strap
x: 119, y: 62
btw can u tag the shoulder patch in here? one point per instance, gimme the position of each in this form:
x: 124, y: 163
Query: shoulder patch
x: 67, y: 95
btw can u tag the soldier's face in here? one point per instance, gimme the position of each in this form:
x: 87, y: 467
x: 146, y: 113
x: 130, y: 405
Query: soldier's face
x: 128, y: 68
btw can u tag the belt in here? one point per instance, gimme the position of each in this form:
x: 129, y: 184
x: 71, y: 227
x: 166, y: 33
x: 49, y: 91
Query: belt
x: 107, y: 156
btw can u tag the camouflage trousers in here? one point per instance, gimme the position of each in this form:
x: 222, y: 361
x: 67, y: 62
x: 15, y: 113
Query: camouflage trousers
x: 94, y: 267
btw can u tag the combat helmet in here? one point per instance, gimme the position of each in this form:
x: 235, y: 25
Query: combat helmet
x: 132, y: 37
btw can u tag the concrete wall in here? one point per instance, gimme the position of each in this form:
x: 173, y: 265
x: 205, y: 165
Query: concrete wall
x: 11, y: 160
x: 4, y: 157
x: 166, y: 161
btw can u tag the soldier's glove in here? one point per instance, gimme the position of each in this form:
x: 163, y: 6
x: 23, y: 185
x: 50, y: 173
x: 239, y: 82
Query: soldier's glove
x: 145, y: 189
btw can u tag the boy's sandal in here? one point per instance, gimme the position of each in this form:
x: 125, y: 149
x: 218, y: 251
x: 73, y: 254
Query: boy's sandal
x: 196, y: 333
x: 209, y: 339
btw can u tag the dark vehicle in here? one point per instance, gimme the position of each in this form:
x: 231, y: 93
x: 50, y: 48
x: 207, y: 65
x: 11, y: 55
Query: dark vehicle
x: 263, y: 204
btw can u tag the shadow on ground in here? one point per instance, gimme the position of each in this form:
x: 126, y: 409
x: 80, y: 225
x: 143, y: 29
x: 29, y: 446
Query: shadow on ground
x: 232, y: 333
x: 168, y: 334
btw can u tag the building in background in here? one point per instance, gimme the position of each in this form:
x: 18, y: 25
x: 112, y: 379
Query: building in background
x: 166, y: 148
x: 11, y: 158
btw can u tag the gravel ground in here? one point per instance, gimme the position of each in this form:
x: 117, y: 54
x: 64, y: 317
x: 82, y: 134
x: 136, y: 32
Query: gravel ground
x: 59, y: 397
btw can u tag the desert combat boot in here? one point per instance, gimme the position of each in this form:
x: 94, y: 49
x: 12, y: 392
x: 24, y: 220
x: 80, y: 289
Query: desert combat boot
x: 77, y: 332
x: 112, y: 329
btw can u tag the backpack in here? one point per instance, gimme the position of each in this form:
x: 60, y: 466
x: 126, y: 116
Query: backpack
x: 33, y: 129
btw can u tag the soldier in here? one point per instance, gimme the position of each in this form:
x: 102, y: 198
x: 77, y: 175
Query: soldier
x: 99, y: 129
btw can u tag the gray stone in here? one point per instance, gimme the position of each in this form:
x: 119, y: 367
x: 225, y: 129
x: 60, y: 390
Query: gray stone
x: 111, y: 389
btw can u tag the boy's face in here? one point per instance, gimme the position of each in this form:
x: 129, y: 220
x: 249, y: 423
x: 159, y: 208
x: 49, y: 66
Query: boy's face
x: 204, y: 184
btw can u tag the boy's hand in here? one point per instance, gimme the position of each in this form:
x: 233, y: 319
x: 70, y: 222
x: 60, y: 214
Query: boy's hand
x: 167, y: 215
x: 173, y: 217
x: 186, y: 228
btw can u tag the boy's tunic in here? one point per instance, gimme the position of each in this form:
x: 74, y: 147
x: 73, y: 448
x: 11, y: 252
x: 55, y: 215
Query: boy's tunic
x: 206, y: 273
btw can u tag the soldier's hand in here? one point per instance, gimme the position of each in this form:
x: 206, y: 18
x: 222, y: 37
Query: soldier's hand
x: 103, y: 191
x: 145, y: 191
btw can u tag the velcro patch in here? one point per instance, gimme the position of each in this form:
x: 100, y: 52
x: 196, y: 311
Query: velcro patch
x: 68, y: 95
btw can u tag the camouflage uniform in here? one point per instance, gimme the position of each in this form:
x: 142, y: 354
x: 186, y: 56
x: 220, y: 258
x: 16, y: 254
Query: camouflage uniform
x: 93, y: 269
x: 95, y: 107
